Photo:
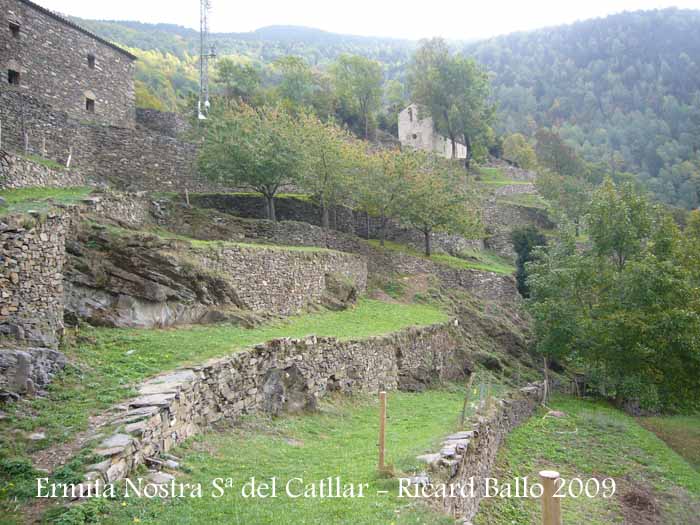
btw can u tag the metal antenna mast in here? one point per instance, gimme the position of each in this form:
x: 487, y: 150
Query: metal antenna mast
x: 205, y: 53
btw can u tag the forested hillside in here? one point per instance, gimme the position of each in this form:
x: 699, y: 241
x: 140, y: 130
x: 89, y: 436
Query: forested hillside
x: 624, y: 90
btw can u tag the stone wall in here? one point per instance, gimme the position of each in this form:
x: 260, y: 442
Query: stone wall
x: 472, y: 454
x: 128, y: 209
x: 169, y: 124
x: 25, y: 173
x: 51, y: 55
x: 27, y: 371
x: 486, y: 285
x: 279, y: 376
x: 515, y: 189
x: 502, y: 217
x: 32, y: 255
x: 281, y: 281
x: 127, y: 159
x: 342, y: 219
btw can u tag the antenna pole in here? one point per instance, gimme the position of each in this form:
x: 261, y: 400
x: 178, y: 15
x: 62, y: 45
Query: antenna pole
x: 205, y: 53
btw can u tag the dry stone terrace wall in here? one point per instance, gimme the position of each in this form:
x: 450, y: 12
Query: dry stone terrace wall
x: 279, y: 376
x: 32, y: 254
x: 473, y: 453
x: 279, y: 280
x: 24, y: 173
x: 128, y: 159
x: 342, y: 219
x: 486, y: 285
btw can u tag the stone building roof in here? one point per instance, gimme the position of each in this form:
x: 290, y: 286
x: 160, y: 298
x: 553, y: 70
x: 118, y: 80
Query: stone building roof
x: 75, y: 26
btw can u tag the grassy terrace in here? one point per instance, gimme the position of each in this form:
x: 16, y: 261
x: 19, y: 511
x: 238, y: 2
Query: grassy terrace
x: 654, y: 483
x: 196, y: 243
x: 681, y: 433
x: 471, y: 260
x: 40, y: 199
x: 495, y: 177
x: 526, y: 200
x: 108, y: 362
x: 339, y: 441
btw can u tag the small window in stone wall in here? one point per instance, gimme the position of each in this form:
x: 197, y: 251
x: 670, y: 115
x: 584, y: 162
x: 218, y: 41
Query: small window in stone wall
x: 89, y: 105
x: 14, y: 29
x: 91, y: 61
x: 13, y: 77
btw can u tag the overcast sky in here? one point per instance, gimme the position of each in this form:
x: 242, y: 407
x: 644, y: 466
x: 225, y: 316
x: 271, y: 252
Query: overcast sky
x: 459, y: 19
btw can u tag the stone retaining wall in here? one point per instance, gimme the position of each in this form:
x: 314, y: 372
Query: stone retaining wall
x: 25, y: 173
x: 472, y: 453
x: 483, y: 284
x: 32, y: 254
x: 27, y: 371
x: 282, y: 281
x: 126, y: 158
x: 342, y: 219
x: 280, y: 376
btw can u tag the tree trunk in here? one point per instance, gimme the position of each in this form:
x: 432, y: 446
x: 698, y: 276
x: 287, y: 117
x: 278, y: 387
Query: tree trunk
x: 271, y: 214
x: 428, y: 247
x: 468, y: 157
x: 382, y: 233
x: 325, y: 216
x: 368, y: 224
x: 454, y: 147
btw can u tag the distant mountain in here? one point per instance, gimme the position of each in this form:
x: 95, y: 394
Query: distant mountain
x: 261, y: 44
x: 623, y: 89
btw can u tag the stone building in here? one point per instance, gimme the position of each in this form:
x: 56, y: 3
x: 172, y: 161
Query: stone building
x: 49, y: 58
x: 416, y: 130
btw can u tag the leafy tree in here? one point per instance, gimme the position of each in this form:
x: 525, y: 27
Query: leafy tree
x: 437, y: 199
x: 328, y: 157
x: 455, y: 92
x: 254, y: 148
x: 358, y: 84
x: 626, y: 309
x: 238, y: 80
x: 145, y: 98
x: 517, y: 149
x: 525, y: 240
x: 302, y: 87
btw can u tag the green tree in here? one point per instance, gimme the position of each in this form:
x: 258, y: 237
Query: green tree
x: 238, y: 80
x: 519, y: 151
x: 626, y: 309
x: 254, y: 148
x: 525, y: 240
x: 327, y: 162
x: 437, y: 198
x: 455, y: 92
x: 358, y: 84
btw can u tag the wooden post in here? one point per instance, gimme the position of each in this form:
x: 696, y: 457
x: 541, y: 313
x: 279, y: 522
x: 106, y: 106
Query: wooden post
x: 551, y: 506
x: 187, y: 197
x: 382, y: 429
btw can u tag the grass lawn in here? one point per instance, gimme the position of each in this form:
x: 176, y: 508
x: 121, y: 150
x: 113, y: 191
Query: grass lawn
x: 196, y: 243
x: 681, y: 433
x: 108, y: 362
x: 654, y: 484
x: 25, y: 199
x: 495, y: 177
x: 339, y: 441
x: 471, y: 260
x: 526, y: 200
